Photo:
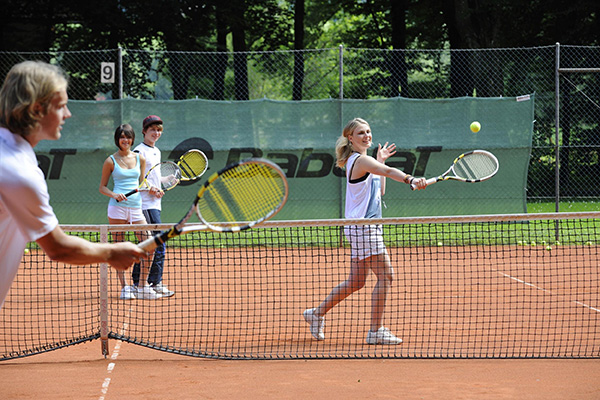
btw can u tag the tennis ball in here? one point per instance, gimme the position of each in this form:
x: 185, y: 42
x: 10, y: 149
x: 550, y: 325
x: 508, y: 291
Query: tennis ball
x: 548, y: 248
x: 475, y: 126
x: 26, y: 251
x: 440, y: 243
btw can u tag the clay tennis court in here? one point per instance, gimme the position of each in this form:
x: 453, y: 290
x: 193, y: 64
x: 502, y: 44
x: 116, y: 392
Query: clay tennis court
x: 477, y: 323
x: 79, y: 372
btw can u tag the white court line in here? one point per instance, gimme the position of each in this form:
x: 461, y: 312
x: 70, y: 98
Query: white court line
x: 545, y: 290
x: 114, y: 356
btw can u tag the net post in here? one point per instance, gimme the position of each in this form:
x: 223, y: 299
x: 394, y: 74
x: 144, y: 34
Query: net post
x: 104, y: 296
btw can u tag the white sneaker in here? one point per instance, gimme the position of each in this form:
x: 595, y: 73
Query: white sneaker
x: 316, y: 323
x: 147, y: 293
x: 382, y: 336
x: 128, y: 293
x: 163, y: 290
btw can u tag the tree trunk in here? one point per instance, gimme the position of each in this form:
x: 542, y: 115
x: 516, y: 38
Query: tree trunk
x: 298, y: 47
x: 397, y: 63
x: 461, y: 74
x: 218, y: 92
x: 240, y: 62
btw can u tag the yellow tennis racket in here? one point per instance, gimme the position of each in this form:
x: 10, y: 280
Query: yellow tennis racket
x: 236, y: 198
x: 193, y: 164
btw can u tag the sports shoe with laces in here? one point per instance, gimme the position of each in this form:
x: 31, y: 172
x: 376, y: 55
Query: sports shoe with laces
x: 147, y: 293
x: 382, y: 336
x: 128, y: 293
x: 316, y: 323
x: 163, y: 290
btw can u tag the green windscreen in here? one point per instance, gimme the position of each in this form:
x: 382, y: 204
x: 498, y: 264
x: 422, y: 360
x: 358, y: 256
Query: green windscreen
x: 300, y: 137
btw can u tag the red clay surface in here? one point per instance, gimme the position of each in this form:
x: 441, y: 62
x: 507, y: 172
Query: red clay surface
x: 133, y: 372
x: 420, y: 303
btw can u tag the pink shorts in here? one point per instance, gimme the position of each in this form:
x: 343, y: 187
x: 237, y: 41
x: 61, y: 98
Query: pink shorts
x: 128, y: 214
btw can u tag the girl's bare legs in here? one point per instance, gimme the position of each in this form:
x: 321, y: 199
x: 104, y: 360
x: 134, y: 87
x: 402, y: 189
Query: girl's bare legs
x: 359, y: 270
x: 145, y: 265
x: 118, y: 237
x: 382, y: 268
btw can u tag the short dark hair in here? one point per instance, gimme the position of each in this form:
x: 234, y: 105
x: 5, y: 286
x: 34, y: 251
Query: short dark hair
x: 127, y: 130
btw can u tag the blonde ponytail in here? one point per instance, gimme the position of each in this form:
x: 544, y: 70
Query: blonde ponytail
x: 343, y: 147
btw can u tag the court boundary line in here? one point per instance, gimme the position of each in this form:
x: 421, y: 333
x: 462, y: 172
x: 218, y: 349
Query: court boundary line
x: 532, y: 285
x: 115, y: 354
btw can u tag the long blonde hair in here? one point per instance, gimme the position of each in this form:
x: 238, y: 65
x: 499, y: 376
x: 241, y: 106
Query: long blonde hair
x: 343, y: 147
x: 26, y: 84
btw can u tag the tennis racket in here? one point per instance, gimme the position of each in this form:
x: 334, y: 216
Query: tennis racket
x: 169, y: 177
x: 193, y: 163
x: 473, y: 166
x: 234, y: 199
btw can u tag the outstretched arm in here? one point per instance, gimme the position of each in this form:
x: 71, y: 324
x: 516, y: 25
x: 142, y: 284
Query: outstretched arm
x: 74, y: 250
x: 369, y: 164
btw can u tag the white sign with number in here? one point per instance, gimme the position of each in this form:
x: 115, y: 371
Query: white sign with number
x: 107, y: 72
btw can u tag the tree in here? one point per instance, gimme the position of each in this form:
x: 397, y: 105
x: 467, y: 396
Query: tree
x: 218, y: 92
x: 298, y: 45
x: 237, y: 24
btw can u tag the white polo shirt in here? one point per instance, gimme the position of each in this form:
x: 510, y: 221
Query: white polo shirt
x: 25, y: 211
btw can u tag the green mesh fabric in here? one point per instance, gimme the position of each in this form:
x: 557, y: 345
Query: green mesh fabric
x: 300, y: 137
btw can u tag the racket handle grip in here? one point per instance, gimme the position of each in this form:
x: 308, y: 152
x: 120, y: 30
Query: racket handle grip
x: 151, y: 243
x: 429, y: 181
x: 131, y: 192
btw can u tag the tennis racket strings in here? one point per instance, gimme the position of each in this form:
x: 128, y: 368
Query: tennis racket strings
x: 192, y: 164
x: 170, y: 175
x: 475, y: 166
x: 247, y: 193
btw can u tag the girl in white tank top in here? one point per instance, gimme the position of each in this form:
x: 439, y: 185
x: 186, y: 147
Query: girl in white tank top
x: 365, y: 177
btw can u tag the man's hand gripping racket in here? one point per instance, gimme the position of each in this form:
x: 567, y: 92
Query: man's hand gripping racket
x: 473, y: 166
x: 236, y: 198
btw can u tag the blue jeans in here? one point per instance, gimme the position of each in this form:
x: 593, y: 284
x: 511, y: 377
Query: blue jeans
x: 156, y: 269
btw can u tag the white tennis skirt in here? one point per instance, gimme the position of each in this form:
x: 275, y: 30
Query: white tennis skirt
x: 365, y: 240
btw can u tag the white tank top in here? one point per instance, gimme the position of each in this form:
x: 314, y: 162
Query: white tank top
x: 363, y: 195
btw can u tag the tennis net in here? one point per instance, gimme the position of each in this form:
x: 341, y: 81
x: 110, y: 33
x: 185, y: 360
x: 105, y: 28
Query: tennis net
x: 496, y: 286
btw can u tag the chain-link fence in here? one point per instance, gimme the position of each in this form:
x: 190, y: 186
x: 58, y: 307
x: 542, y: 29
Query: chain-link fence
x: 563, y: 78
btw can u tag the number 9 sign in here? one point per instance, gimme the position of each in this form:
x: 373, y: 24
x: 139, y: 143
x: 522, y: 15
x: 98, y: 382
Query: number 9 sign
x: 107, y: 72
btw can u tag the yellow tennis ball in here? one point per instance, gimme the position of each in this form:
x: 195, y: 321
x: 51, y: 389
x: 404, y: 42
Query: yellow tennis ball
x: 475, y: 126
x: 26, y: 251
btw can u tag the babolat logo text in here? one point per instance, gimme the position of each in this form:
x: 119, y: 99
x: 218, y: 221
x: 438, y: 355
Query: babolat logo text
x: 309, y: 163
x: 305, y: 163
x: 52, y: 165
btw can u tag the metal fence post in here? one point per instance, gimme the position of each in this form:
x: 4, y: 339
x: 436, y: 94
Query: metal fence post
x: 556, y: 128
x: 341, y: 97
x: 120, y: 62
